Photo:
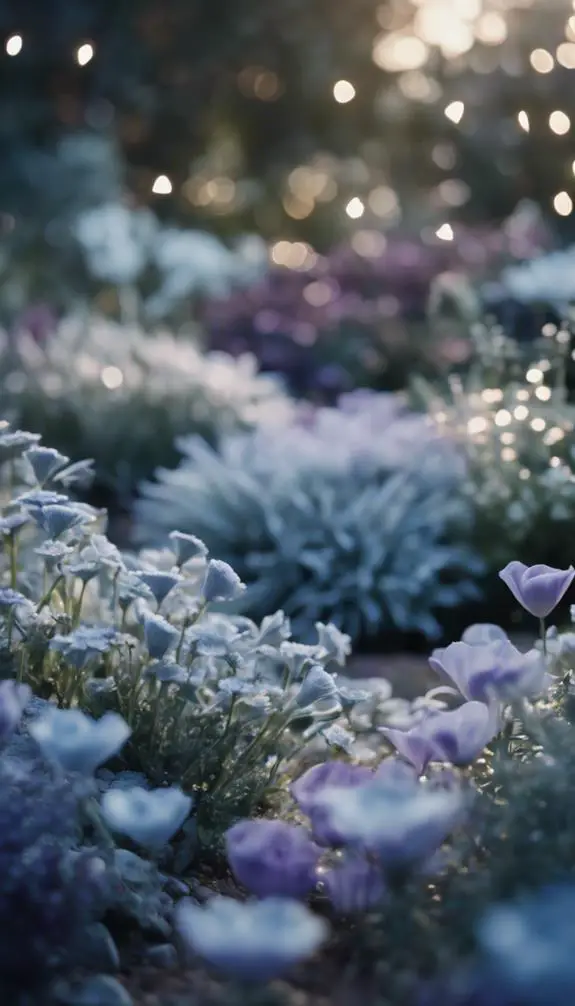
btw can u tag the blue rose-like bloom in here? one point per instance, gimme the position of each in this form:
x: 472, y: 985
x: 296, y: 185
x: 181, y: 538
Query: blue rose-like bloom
x: 221, y: 582
x: 537, y: 588
x: 272, y: 858
x: 255, y: 940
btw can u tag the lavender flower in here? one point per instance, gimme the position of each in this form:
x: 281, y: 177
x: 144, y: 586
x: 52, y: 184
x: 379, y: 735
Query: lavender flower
x: 58, y: 518
x: 11, y: 523
x: 402, y: 825
x: 482, y: 633
x: 355, y: 885
x: 254, y: 940
x: 457, y: 736
x: 12, y: 598
x: 221, y: 582
x: 77, y: 742
x: 84, y: 644
x: 493, y: 670
x: 309, y: 789
x: 150, y: 818
x: 13, y: 700
x: 272, y: 858
x: 537, y: 588
x: 13, y: 443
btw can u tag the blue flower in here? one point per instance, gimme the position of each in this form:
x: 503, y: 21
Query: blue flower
x: 457, y: 736
x: 56, y: 519
x: 45, y: 462
x: 482, y: 633
x: 149, y: 817
x: 159, y: 635
x: 11, y: 523
x: 317, y: 686
x: 13, y: 443
x: 166, y: 673
x: 336, y: 644
x: 12, y: 598
x: 79, y: 474
x: 42, y: 498
x: 537, y: 588
x: 187, y: 546
x: 221, y: 582
x: 160, y: 584
x: 354, y: 885
x: 84, y: 644
x: 274, y: 629
x: 52, y: 552
x: 252, y: 940
x: 77, y: 742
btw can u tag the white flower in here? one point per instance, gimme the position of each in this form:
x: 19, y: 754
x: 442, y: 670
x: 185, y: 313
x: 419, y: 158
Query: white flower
x: 255, y: 940
x: 77, y: 742
x: 148, y: 817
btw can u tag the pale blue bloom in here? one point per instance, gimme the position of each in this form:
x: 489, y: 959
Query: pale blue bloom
x: 13, y: 700
x: 149, y: 817
x: 76, y: 741
x: 339, y: 738
x: 482, y: 633
x: 84, y: 644
x: 317, y: 686
x: 187, y: 546
x: 537, y: 588
x: 11, y: 523
x: 273, y: 630
x: 42, y: 498
x: 336, y: 644
x: 159, y: 635
x: 252, y: 940
x: 13, y: 443
x: 221, y: 582
x: 52, y: 552
x: 56, y: 519
x: 12, y: 598
x: 79, y: 474
x: 457, y: 736
x: 297, y: 657
x: 401, y: 824
x: 159, y: 583
x: 45, y: 462
x: 167, y: 673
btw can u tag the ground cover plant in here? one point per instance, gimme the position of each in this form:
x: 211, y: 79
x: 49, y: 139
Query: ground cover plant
x: 345, y: 844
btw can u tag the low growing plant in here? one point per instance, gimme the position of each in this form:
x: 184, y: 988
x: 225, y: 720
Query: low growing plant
x: 341, y: 516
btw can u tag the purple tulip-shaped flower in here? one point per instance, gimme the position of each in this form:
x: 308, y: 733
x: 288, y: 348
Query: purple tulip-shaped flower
x: 496, y: 670
x: 537, y: 588
x: 457, y: 736
x: 272, y: 858
x: 356, y: 885
x: 308, y: 791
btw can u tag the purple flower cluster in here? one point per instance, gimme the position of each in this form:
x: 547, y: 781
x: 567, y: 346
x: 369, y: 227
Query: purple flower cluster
x: 297, y: 322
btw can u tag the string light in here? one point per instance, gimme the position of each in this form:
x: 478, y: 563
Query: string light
x: 454, y: 111
x: 445, y: 233
x: 521, y: 412
x: 523, y: 120
x: 543, y: 393
x: 563, y: 204
x: 343, y: 92
x: 542, y: 61
x: 162, y: 186
x: 84, y: 53
x: 534, y: 375
x: 355, y: 208
x: 14, y: 45
x: 559, y: 123
x: 112, y: 378
x: 538, y: 424
x: 502, y: 418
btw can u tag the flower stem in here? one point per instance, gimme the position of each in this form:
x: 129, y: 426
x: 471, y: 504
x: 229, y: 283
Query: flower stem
x: 543, y: 636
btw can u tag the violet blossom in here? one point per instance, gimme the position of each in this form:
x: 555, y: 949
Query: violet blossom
x: 457, y: 736
x: 537, y: 588
x: 272, y: 858
x: 308, y: 792
x: 496, y: 670
x: 354, y: 885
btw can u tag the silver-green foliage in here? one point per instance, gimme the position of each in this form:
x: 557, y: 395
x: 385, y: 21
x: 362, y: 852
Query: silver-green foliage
x: 343, y: 515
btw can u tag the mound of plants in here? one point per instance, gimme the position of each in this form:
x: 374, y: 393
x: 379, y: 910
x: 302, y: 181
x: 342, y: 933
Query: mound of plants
x: 112, y: 392
x: 200, y: 808
x: 345, y: 511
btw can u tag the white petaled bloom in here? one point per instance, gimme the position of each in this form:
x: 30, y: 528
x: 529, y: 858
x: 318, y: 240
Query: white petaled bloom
x: 76, y: 741
x: 253, y: 940
x: 336, y: 644
x: 149, y: 817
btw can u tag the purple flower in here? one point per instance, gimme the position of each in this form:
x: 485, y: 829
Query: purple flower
x: 537, y: 588
x: 393, y: 771
x: 13, y: 700
x: 272, y: 858
x: 495, y: 670
x: 457, y: 736
x: 354, y: 886
x: 401, y: 825
x: 308, y: 791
